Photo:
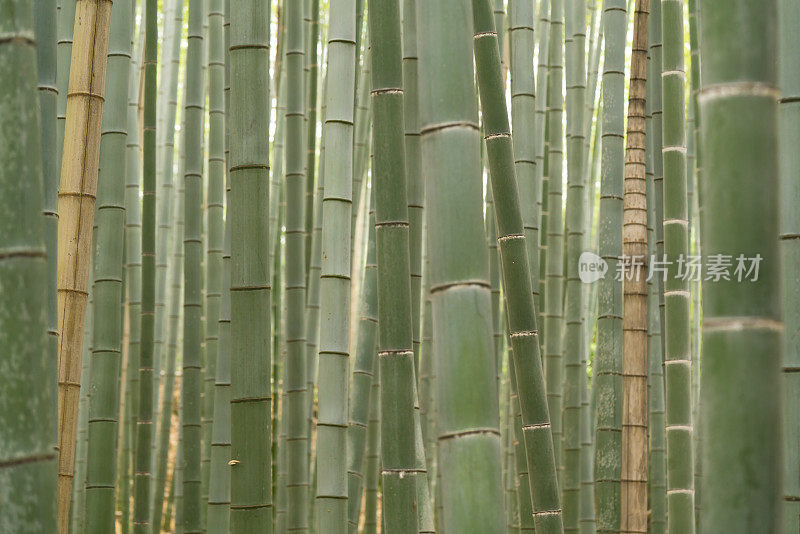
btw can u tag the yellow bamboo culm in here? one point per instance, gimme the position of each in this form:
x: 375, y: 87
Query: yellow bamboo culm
x: 634, y: 321
x: 76, y: 199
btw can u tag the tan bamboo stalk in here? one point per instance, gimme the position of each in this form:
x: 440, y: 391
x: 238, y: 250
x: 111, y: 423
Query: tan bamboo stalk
x: 634, y: 317
x: 76, y: 199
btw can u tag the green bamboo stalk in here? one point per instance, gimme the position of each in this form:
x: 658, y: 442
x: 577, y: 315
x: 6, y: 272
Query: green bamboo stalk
x: 250, y: 277
x: 45, y: 17
x: 542, y: 157
x: 64, y: 27
x: 174, y: 316
x: 694, y: 163
x: 144, y: 423
x: 108, y: 258
x: 523, y: 476
x: 170, y: 220
x: 509, y: 469
x: 219, y: 491
x: 574, y: 379
x: 372, y: 460
x: 178, y: 476
x: 789, y: 77
x: 413, y: 162
x: 363, y: 376
x: 738, y: 105
x: 165, y: 128
x: 78, y: 497
x: 191, y: 384
x: 521, y: 315
x: 27, y: 456
x: 334, y: 338
x: 554, y: 269
x: 657, y: 496
x: 396, y: 358
x: 215, y: 199
x: 294, y: 381
x: 311, y: 85
x: 677, y: 368
x: 133, y: 263
x: 656, y: 53
x: 607, y: 365
x: 523, y: 118
x: 427, y: 376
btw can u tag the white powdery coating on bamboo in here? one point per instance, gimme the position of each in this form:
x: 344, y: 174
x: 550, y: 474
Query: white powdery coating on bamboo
x: 736, y: 324
x: 676, y: 293
x: 733, y: 89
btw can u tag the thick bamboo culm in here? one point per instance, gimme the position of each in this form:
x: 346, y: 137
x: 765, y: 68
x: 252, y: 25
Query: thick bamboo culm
x: 634, y: 283
x: 76, y: 200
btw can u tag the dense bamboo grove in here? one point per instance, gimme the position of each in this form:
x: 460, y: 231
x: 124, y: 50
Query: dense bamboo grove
x: 400, y: 266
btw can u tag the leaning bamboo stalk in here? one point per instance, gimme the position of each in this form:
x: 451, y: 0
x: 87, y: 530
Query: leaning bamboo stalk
x: 634, y: 263
x: 741, y: 402
x: 536, y: 427
x: 26, y: 405
x: 76, y: 199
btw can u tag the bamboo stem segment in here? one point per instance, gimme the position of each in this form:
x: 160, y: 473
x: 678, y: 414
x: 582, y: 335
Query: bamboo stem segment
x: 76, y: 200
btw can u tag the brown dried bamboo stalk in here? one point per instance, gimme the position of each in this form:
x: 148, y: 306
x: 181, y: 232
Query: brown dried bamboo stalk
x: 634, y: 318
x: 76, y: 199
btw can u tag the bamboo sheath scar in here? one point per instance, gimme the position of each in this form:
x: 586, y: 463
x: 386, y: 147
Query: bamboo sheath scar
x: 76, y: 200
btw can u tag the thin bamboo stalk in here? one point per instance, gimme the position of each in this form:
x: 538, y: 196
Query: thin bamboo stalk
x: 334, y: 338
x: 396, y: 358
x: 789, y: 77
x: 219, y: 490
x: 108, y: 261
x: 45, y: 15
x: 677, y: 354
x: 607, y: 366
x: 657, y: 482
x: 513, y: 255
x: 76, y: 199
x: 575, y: 382
x: 191, y: 384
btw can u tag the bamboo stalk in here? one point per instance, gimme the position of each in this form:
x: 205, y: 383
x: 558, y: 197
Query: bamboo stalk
x: 108, y: 266
x: 677, y: 354
x: 740, y: 319
x: 522, y: 327
x: 250, y: 274
x: 76, y: 199
x: 26, y: 403
x: 334, y: 338
x: 789, y: 77
x: 608, y: 356
x: 575, y: 382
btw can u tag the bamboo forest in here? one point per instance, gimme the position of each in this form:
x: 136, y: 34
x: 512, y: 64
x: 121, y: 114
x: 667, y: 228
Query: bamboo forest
x: 400, y: 266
